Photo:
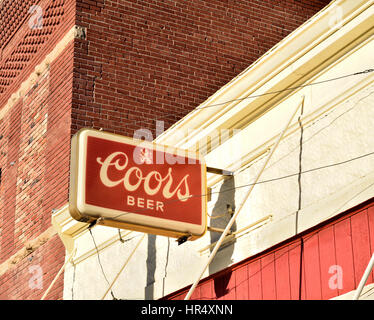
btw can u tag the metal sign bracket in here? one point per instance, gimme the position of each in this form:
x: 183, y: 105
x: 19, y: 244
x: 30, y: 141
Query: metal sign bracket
x: 219, y: 171
x: 183, y: 239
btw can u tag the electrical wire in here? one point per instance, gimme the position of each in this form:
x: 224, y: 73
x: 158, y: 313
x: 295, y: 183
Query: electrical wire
x: 294, y: 174
x: 302, y: 172
x: 288, y: 89
x: 304, y: 238
x: 268, y: 93
x: 291, y: 175
x: 101, y: 266
x: 264, y: 181
x: 272, y: 179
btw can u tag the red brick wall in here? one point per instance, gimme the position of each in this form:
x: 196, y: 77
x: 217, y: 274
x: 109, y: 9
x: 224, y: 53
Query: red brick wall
x: 140, y: 60
x: 34, y: 144
x: 22, y: 48
x: 160, y: 59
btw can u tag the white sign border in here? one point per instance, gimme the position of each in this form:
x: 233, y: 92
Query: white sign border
x: 133, y: 221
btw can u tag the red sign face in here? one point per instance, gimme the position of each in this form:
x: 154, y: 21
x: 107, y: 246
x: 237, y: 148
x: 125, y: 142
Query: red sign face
x: 137, y: 185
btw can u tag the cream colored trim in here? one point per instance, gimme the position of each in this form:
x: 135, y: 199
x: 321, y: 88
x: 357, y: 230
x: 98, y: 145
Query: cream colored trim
x: 240, y: 233
x: 256, y: 148
x: 283, y: 228
x: 67, y: 227
x: 70, y: 230
x: 367, y: 294
x: 39, y: 69
x: 359, y: 191
x: 29, y: 247
x: 91, y: 250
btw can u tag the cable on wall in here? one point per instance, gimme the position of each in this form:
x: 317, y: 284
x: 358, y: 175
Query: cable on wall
x: 366, y: 71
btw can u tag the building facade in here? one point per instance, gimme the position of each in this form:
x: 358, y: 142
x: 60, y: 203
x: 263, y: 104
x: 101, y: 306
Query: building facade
x: 306, y: 230
x: 122, y: 65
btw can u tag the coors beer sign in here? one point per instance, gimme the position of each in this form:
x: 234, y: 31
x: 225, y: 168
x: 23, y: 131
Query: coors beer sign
x: 137, y: 185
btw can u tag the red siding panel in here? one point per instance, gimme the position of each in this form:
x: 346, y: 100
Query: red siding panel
x: 241, y: 279
x: 254, y: 274
x: 296, y: 282
x: 344, y: 255
x: 196, y: 294
x: 282, y: 275
x: 312, y: 268
x: 370, y: 213
x: 180, y: 296
x: 327, y: 262
x: 361, y: 244
x: 371, y: 233
x: 268, y: 277
x: 206, y: 290
x: 230, y: 287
